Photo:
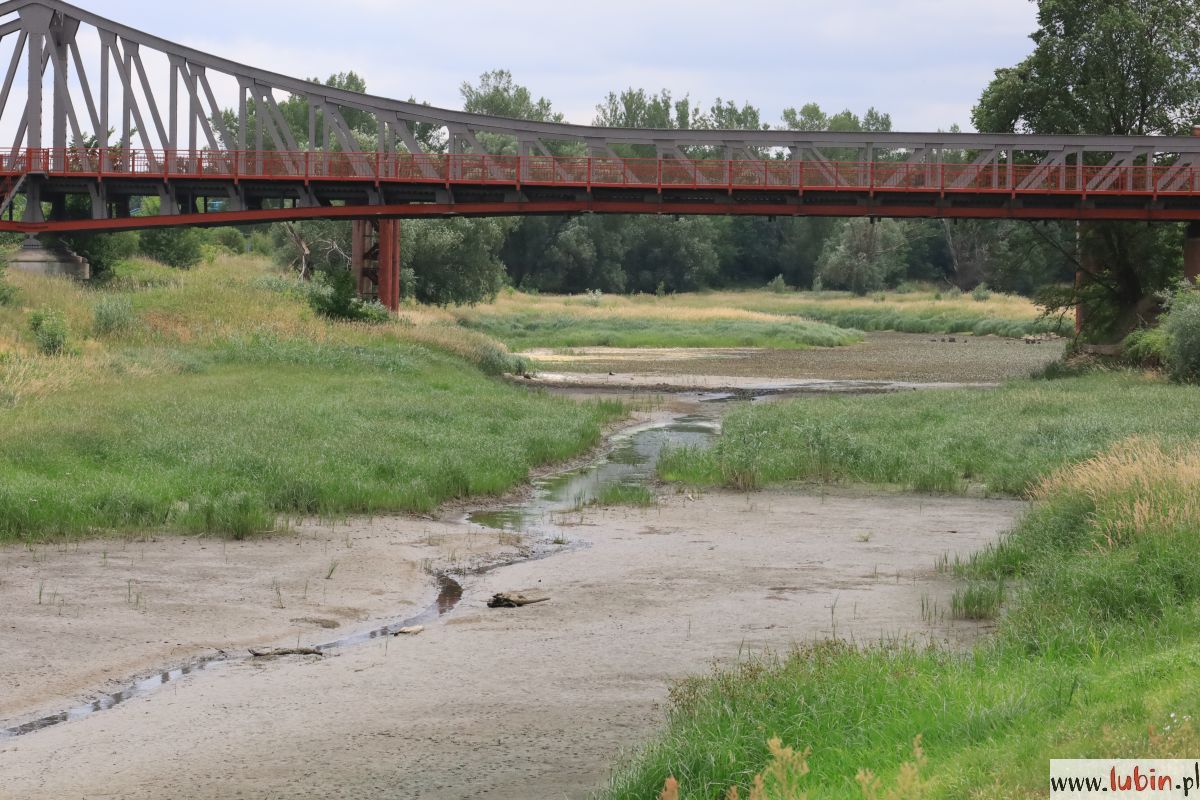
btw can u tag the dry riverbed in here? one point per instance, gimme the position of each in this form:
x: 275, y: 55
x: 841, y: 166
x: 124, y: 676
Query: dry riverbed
x: 534, y: 702
x: 522, y: 703
x: 889, y: 357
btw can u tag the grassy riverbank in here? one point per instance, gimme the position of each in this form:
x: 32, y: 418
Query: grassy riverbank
x: 787, y: 320
x: 526, y: 321
x: 1095, y: 656
x: 215, y: 400
x: 924, y: 311
x: 1000, y: 441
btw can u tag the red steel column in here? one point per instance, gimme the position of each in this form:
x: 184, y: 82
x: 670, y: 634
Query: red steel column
x: 389, y: 263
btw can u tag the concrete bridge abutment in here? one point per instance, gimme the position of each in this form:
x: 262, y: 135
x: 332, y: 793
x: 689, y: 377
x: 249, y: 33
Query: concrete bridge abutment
x: 41, y: 258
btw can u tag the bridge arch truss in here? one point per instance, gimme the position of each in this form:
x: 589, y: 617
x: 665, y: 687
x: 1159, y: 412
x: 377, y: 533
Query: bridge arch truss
x: 101, y: 115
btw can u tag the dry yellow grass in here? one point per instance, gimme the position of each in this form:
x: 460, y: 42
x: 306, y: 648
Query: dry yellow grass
x: 757, y: 318
x: 758, y: 305
x: 785, y: 774
x: 1001, y: 306
x: 233, y: 297
x: 1137, y: 487
x: 674, y: 308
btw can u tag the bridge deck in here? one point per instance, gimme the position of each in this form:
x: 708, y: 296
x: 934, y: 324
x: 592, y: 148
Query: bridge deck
x: 588, y: 173
x: 271, y: 185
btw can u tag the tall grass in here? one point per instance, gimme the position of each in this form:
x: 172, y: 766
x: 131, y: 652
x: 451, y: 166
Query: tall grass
x: 927, y: 311
x: 526, y: 331
x: 746, y: 319
x: 1097, y: 656
x: 214, y: 401
x: 1001, y: 441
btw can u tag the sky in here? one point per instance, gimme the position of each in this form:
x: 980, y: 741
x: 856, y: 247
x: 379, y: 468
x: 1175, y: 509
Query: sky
x: 923, y: 61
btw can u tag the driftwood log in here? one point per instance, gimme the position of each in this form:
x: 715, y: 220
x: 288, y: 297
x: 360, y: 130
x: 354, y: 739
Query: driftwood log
x: 286, y: 651
x: 412, y: 631
x: 514, y: 600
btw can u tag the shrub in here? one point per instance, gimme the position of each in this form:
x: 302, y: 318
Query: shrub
x: 8, y: 292
x: 50, y: 331
x: 778, y: 285
x: 1182, y: 329
x: 103, y: 251
x: 230, y: 239
x: 113, y: 314
x: 334, y: 295
x: 176, y: 247
x: 1146, y: 347
x: 982, y: 293
x: 374, y: 312
x: 261, y: 244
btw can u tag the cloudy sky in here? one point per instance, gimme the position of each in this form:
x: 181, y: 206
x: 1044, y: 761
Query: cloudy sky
x: 924, y: 61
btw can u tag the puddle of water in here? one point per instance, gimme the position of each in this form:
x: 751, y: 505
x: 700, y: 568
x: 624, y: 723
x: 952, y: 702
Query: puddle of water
x: 103, y: 703
x: 631, y: 461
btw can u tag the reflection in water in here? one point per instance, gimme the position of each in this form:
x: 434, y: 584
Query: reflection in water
x: 631, y: 462
x: 105, y: 702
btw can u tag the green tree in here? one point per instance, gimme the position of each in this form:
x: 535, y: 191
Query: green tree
x: 176, y: 247
x: 455, y: 260
x: 678, y: 254
x: 1117, y: 67
x: 568, y: 255
x: 864, y: 256
x: 498, y: 95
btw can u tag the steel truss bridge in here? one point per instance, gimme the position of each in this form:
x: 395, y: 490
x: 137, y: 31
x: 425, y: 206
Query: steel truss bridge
x: 103, y: 116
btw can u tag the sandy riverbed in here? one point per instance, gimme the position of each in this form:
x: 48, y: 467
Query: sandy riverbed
x: 885, y: 356
x: 81, y: 618
x: 533, y: 703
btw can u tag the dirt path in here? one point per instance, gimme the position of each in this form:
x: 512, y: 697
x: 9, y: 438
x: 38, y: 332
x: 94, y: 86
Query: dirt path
x: 532, y: 703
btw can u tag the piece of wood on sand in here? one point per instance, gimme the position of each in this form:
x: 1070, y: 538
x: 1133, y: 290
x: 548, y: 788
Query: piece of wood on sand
x: 515, y: 600
x: 410, y: 631
x: 286, y: 651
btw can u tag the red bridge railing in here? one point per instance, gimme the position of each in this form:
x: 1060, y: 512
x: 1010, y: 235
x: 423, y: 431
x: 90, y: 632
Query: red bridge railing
x: 606, y: 172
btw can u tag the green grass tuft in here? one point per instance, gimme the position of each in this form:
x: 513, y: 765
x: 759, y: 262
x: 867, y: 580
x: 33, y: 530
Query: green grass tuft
x: 620, y: 494
x: 1001, y: 441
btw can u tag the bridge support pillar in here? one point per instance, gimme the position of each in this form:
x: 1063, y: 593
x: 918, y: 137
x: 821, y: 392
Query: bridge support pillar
x: 1191, y: 252
x: 389, y: 263
x: 41, y: 259
x: 375, y: 260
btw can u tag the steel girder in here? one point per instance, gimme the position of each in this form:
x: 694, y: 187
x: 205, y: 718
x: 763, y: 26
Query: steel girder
x: 180, y: 112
